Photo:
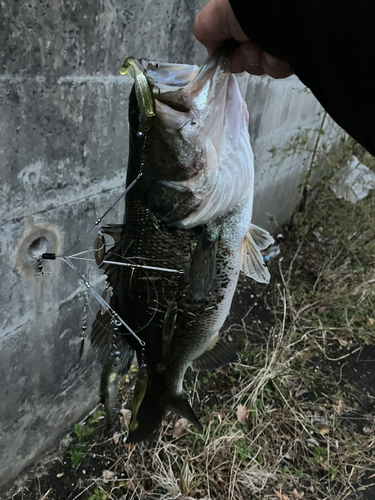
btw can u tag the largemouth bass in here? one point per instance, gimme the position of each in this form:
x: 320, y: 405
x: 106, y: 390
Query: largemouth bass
x: 189, y: 211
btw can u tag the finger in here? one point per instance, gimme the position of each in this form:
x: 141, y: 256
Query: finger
x: 210, y: 26
x: 251, y: 54
x: 249, y: 61
x: 236, y: 64
x: 275, y: 67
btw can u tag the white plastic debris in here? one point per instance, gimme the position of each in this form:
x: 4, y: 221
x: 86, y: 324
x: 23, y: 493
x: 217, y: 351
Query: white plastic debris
x: 272, y: 252
x: 353, y: 182
x: 318, y: 234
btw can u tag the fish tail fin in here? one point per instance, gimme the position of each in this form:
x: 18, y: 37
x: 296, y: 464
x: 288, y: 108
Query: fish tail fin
x: 157, y: 401
x: 181, y: 406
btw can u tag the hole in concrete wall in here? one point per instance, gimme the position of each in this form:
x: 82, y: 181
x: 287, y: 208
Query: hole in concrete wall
x: 37, y: 247
x: 32, y: 244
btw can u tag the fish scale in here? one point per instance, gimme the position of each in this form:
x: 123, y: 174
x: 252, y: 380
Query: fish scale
x: 137, y: 296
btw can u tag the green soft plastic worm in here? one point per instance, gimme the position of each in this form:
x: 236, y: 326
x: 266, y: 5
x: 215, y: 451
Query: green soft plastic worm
x: 145, y: 99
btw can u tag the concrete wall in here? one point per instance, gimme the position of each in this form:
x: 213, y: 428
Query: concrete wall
x: 63, y: 151
x: 286, y: 135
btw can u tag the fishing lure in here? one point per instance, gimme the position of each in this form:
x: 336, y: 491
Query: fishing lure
x: 145, y: 99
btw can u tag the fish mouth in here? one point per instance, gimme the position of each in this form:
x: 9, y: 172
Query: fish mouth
x: 185, y: 87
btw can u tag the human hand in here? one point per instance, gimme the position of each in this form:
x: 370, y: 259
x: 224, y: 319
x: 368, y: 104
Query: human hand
x: 216, y: 23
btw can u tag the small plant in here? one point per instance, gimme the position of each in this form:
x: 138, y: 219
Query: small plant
x: 82, y: 431
x: 298, y: 472
x: 243, y: 452
x: 333, y: 472
x: 98, y: 495
x: 77, y: 452
x: 284, y: 469
x: 96, y: 416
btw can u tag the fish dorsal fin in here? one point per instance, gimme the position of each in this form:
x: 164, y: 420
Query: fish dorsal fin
x: 252, y: 263
x: 261, y: 237
x: 216, y: 356
x: 169, y: 325
x: 203, y: 265
x: 182, y: 407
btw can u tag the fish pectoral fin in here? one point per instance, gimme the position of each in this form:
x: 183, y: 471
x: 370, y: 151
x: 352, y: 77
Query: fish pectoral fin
x: 215, y: 357
x: 203, y: 266
x: 182, y: 407
x: 252, y: 263
x: 169, y: 326
x: 261, y: 237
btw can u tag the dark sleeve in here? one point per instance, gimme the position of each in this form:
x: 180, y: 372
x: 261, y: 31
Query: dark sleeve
x: 330, y: 46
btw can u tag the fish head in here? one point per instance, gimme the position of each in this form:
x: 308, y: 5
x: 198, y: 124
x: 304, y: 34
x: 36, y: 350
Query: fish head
x: 196, y: 152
